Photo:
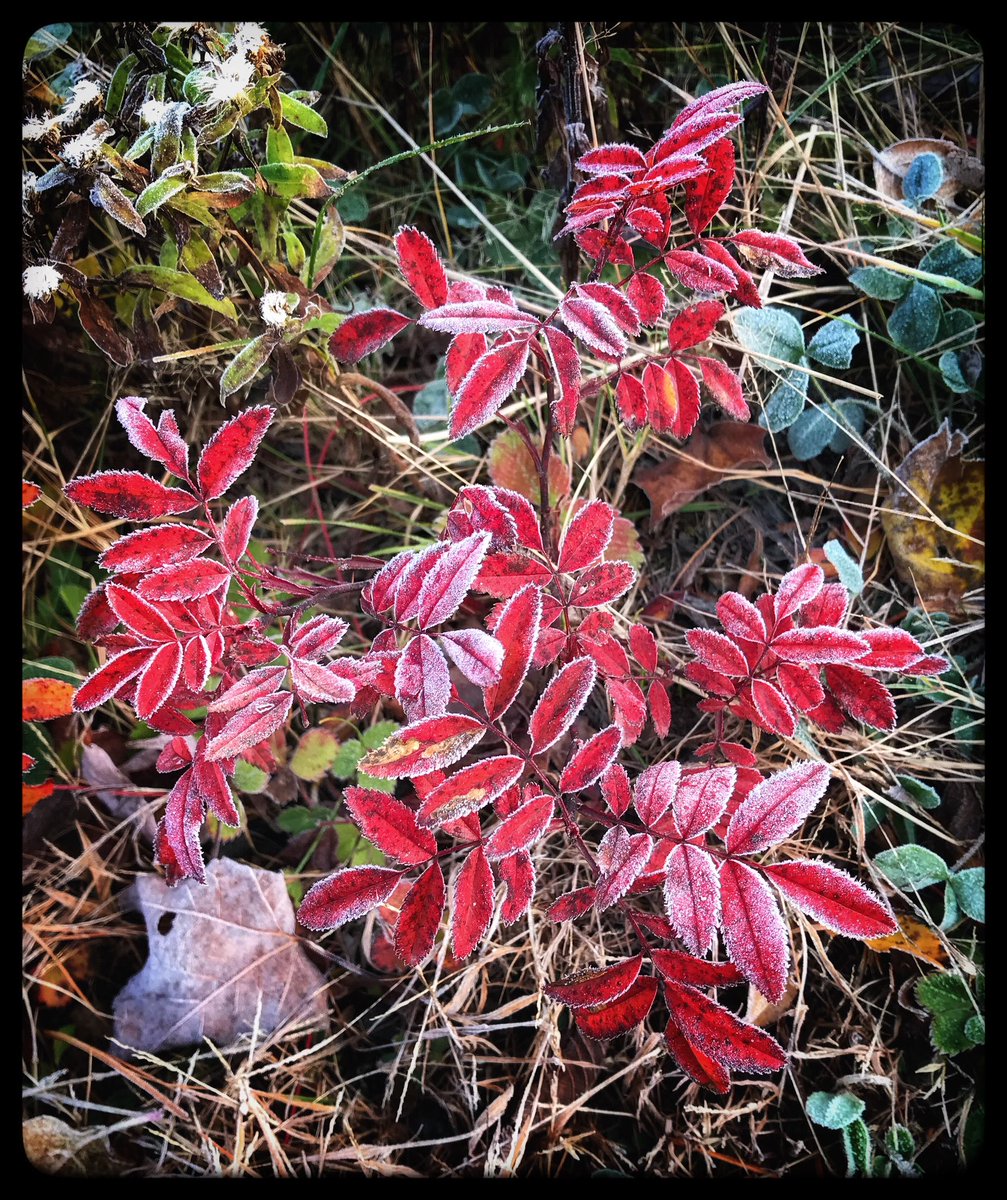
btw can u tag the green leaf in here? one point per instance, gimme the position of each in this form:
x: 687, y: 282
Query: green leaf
x: 292, y: 180
x: 786, y: 401
x: 957, y: 324
x: 970, y: 891
x: 47, y: 39
x: 331, y: 240
x: 357, y: 850
x: 155, y: 194
x: 834, y: 343
x: 975, y: 1029
x: 879, y: 283
x: 378, y: 733
x: 248, y: 778
x: 924, y: 177
x: 246, y: 364
x: 315, y: 754
x: 950, y: 259
x: 303, y: 117
x: 850, y: 574
x: 973, y: 1132
x: 772, y: 331
x: 353, y: 207
x: 106, y: 195
x: 952, y: 913
x: 117, y: 85
x: 377, y: 785
x: 474, y: 93
x: 912, y: 867
x: 857, y: 1144
x: 850, y: 419
x: 350, y: 752
x: 295, y: 818
x: 898, y: 1140
x: 181, y: 284
x: 952, y: 1006
x: 278, y: 146
x: 924, y: 795
x: 224, y: 181
x: 834, y: 1111
x: 952, y: 373
x: 914, y: 323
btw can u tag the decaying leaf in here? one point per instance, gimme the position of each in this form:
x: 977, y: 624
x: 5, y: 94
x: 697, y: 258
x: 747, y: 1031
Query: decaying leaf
x: 223, y: 956
x: 511, y: 466
x: 961, y: 170
x: 941, y: 565
x: 708, y: 458
x: 56, y: 1148
x: 913, y: 938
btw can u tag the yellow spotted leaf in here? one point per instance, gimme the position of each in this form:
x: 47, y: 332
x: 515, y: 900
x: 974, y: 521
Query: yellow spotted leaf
x: 46, y: 699
x: 913, y: 938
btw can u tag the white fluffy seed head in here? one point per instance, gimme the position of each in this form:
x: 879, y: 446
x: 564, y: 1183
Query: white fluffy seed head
x: 227, y: 80
x: 152, y: 111
x: 82, y: 150
x: 275, y: 308
x: 35, y: 128
x: 40, y: 282
x: 85, y: 92
x: 248, y: 35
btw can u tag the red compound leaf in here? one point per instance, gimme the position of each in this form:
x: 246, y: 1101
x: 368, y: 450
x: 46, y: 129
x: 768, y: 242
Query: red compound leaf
x: 185, y: 580
x: 800, y: 686
x: 592, y: 987
x: 744, y: 289
x: 566, y: 371
x: 591, y: 760
x: 104, y: 683
x: 517, y: 631
x: 158, y: 679
x: 695, y: 134
x: 699, y: 272
x: 177, y: 846
x: 891, y: 650
x: 741, y: 618
x: 250, y: 726
x: 697, y: 1065
x: 615, y: 789
x: 621, y: 857
x: 720, y: 1034
x: 478, y: 656
x: 477, y: 316
x: 469, y: 790
x: 390, y: 825
x: 487, y: 385
x: 462, y: 355
x: 420, y: 916
x: 767, y: 250
x: 774, y: 809
x: 595, y: 243
x: 865, y: 699
x: 363, y: 333
x: 820, y: 644
x: 571, y: 905
x: 797, y: 588
x: 753, y: 928
x: 623, y: 313
x: 447, y: 581
x: 660, y: 707
x: 705, y: 195
x: 631, y: 398
x: 587, y: 536
x: 160, y: 443
x: 692, y: 896
x: 129, y: 495
x: 602, y: 584
x: 471, y: 904
x: 593, y: 323
x: 423, y: 746
x: 614, y: 158
x: 237, y: 528
x: 521, y: 829
x: 834, y: 898
x: 725, y: 388
x: 648, y: 297
x: 694, y: 325
x: 517, y: 874
x: 560, y: 703
x: 701, y: 799
x: 771, y: 707
x: 654, y: 791
x: 258, y: 683
x: 717, y: 652
x: 644, y: 647
x: 346, y: 895
x: 147, y: 549
x: 229, y: 453
x: 699, y: 972
x: 319, y: 683
x: 421, y: 267
x: 621, y: 1015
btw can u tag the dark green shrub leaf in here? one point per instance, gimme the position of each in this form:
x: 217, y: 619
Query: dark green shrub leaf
x: 834, y: 1111
x: 952, y: 913
x: 353, y: 207
x: 879, y: 283
x: 922, y: 793
x: 786, y: 401
x: 248, y: 778
x: 833, y: 344
x: 898, y: 1140
x: 951, y: 1003
x: 912, y: 866
x: 474, y: 93
x: 952, y: 373
x: 181, y: 284
x: 857, y: 1144
x: 850, y: 419
x: 106, y: 195
x: 957, y: 325
x: 975, y: 1029
x: 278, y: 146
x: 292, y: 180
x: 246, y: 364
x: 914, y: 323
x: 161, y: 190
x: 970, y: 892
x: 950, y: 258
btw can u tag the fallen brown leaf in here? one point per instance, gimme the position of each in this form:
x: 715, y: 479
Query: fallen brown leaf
x: 913, y: 938
x: 941, y: 565
x: 224, y: 956
x: 709, y: 457
x: 961, y: 170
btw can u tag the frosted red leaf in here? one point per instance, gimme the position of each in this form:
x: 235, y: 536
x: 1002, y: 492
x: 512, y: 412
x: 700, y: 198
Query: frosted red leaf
x: 699, y: 972
x: 654, y: 790
x: 469, y: 790
x: 363, y: 333
x: 462, y: 355
x: 447, y: 582
x: 319, y: 683
x: 615, y: 789
x: 420, y: 916
x: 799, y: 685
x: 725, y: 388
x: 694, y: 1062
x: 632, y: 400
x: 753, y: 928
x: 820, y: 644
x: 694, y: 324
x: 834, y: 898
x: 421, y: 266
x: 571, y: 905
x: 621, y: 1015
x: 523, y: 827
x: 146, y: 549
x: 423, y: 746
x: 864, y: 698
x: 602, y: 584
x: 720, y: 1034
x: 890, y: 650
x: 138, y: 615
x: 319, y: 636
x: 828, y: 607
x: 587, y: 536
x: 517, y: 632
x: 158, y: 679
x: 705, y: 195
x: 517, y: 874
x: 717, y: 652
x: 772, y: 250
x: 772, y: 707
x: 740, y: 617
x: 695, y: 134
x: 699, y: 272
x: 249, y: 726
x: 701, y: 799
x: 263, y: 681
x: 621, y: 857
x: 476, y: 316
x: 797, y: 588
x: 648, y: 297
x: 104, y: 683
x: 128, y: 494
x: 623, y: 313
x: 488, y: 384
x: 410, y: 580
x: 185, y: 580
x: 612, y: 158
x: 660, y: 707
x: 675, y: 168
x: 743, y: 288
x: 237, y: 528
x: 596, y: 985
x: 390, y: 825
x: 591, y: 760
x: 566, y: 368
x: 177, y: 845
x: 196, y: 663
x: 560, y: 703
x: 476, y: 654
x: 595, y: 243
x: 505, y: 574
x: 692, y: 896
x: 776, y: 807
x: 346, y: 895
x: 593, y: 323
x: 208, y: 780
x: 161, y: 444
x: 471, y: 904
x: 229, y: 453
x: 719, y: 100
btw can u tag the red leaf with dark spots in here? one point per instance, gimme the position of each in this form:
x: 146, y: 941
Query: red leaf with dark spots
x: 648, y: 297
x: 390, y: 825
x: 523, y: 827
x: 834, y: 898
x: 717, y: 652
x: 591, y: 760
x: 229, y: 453
x: 697, y: 1065
x: 103, y: 684
x: 698, y: 272
x: 571, y: 905
x: 185, y: 581
x: 363, y: 333
x: 772, y: 250
x: 471, y: 904
x: 615, y: 789
x: 705, y: 195
x: 158, y: 679
x: 864, y: 698
x: 160, y: 443
x: 592, y: 987
x: 420, y: 916
x: 743, y: 289
x: 139, y: 616
x: 720, y: 1034
x: 753, y: 928
x: 631, y: 398
x: 424, y: 746
x: 517, y: 631
x: 147, y: 549
x: 694, y: 325
x: 699, y: 972
x: 128, y: 494
x: 621, y: 1015
x: 800, y: 686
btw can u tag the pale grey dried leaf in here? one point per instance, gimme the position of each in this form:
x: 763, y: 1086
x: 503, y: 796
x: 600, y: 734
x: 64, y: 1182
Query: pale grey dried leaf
x: 219, y: 952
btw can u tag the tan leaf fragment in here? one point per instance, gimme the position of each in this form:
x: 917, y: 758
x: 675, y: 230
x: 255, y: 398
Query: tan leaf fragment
x: 962, y: 171
x: 54, y: 1147
x: 708, y: 458
x: 223, y: 956
x: 927, y: 551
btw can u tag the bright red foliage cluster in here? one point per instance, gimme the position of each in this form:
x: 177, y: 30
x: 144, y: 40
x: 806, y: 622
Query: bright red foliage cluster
x: 521, y: 687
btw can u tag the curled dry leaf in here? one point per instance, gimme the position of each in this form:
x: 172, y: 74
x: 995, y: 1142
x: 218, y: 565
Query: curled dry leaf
x: 941, y: 565
x: 222, y: 957
x: 708, y: 458
x: 962, y: 171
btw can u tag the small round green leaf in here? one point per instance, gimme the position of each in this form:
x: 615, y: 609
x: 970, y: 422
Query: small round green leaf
x: 834, y: 1111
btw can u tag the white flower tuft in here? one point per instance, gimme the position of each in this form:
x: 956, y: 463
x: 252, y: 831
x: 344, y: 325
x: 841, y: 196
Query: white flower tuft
x: 248, y: 35
x: 153, y: 111
x: 227, y: 80
x: 275, y: 308
x: 38, y: 127
x: 85, y: 92
x: 82, y: 150
x: 39, y: 283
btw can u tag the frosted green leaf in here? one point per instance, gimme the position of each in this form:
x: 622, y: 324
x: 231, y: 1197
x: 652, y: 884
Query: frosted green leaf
x: 914, y: 323
x: 857, y: 1144
x: 879, y: 283
x: 834, y: 1111
x: 923, y: 178
x: 315, y: 754
x: 912, y: 866
x: 951, y: 372
x: 786, y: 401
x: 924, y: 795
x: 772, y: 331
x: 302, y: 116
x: 850, y: 575
x: 970, y: 891
x: 248, y: 778
x: 951, y: 259
x: 833, y: 344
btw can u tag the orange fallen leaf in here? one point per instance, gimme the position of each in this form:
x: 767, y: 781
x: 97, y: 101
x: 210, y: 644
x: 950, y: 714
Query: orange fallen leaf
x: 32, y: 793
x: 45, y: 699
x: 56, y: 980
x: 30, y: 492
x: 511, y: 466
x: 709, y: 457
x: 913, y: 938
